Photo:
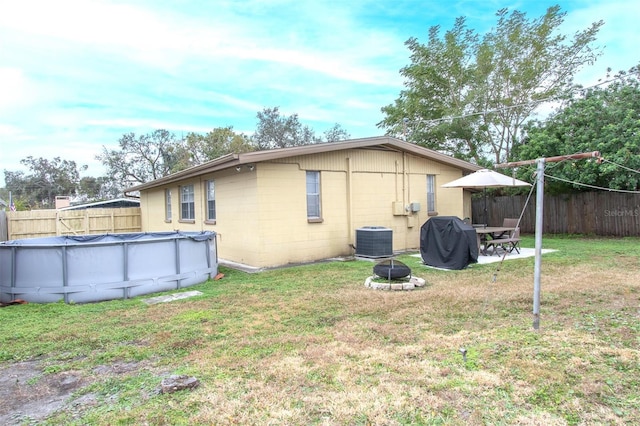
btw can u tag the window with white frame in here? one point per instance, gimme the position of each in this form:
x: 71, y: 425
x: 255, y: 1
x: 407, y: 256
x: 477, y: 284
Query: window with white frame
x: 167, y: 205
x: 187, y: 203
x: 211, y: 200
x: 431, y: 193
x: 313, y: 195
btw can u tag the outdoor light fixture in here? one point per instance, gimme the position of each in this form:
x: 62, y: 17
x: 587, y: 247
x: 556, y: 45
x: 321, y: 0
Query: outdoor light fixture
x: 238, y: 168
x: 250, y: 166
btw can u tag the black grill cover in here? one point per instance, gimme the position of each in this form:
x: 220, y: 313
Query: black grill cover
x: 447, y: 242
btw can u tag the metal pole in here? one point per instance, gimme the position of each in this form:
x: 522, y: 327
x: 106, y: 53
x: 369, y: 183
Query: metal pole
x: 540, y: 162
x: 65, y: 273
x: 176, y: 246
x: 486, y: 222
x: 125, y: 272
x: 539, y: 223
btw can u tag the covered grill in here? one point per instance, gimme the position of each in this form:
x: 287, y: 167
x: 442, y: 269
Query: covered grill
x: 447, y: 242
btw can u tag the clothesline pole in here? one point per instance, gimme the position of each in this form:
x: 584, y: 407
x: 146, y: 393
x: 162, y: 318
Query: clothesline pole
x: 540, y: 164
x: 537, y: 270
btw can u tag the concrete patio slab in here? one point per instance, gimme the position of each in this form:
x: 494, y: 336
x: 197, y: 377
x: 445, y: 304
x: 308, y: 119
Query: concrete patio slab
x: 483, y: 260
x: 171, y: 297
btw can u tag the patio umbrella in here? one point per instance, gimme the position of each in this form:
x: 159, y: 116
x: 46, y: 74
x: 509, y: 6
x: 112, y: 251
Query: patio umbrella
x: 483, y: 179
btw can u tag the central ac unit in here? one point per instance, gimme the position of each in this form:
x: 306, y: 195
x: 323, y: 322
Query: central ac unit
x: 374, y: 241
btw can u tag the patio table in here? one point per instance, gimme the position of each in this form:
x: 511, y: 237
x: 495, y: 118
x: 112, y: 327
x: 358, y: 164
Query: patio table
x: 489, y: 231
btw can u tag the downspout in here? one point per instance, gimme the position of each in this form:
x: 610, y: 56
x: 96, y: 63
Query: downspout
x: 350, y: 230
x: 396, y: 183
x: 406, y: 189
x: 202, y: 187
x: 406, y: 202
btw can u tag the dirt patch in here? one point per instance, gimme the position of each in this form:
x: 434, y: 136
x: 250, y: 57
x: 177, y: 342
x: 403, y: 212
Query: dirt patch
x: 28, y: 395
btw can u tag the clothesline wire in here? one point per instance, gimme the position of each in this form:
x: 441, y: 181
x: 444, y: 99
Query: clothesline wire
x: 556, y: 164
x: 591, y: 186
x: 620, y: 165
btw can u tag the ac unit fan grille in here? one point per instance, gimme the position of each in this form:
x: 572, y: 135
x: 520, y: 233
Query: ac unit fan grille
x: 374, y: 241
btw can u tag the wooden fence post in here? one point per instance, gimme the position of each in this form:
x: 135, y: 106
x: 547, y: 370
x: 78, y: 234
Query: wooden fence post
x: 58, y: 233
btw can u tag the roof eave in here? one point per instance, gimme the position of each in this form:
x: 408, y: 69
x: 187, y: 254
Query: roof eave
x: 232, y: 160
x: 219, y: 163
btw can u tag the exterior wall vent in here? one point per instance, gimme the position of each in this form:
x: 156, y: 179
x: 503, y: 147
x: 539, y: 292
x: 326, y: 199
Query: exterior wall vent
x: 374, y: 241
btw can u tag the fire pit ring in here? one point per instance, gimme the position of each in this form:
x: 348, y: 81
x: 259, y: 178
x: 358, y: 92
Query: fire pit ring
x: 391, y: 269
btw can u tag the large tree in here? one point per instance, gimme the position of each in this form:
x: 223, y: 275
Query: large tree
x: 336, y: 133
x: 141, y: 158
x: 469, y: 96
x: 199, y: 148
x: 97, y: 189
x: 45, y: 180
x: 604, y: 118
x: 438, y: 83
x: 275, y: 130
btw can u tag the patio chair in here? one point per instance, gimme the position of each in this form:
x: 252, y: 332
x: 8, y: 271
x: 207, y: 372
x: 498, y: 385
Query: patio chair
x: 507, y: 223
x: 509, y: 244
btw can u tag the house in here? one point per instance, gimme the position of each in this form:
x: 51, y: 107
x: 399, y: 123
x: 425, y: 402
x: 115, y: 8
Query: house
x: 305, y: 203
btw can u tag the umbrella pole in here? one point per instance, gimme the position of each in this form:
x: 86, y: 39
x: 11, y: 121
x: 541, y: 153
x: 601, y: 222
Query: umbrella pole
x: 485, y: 206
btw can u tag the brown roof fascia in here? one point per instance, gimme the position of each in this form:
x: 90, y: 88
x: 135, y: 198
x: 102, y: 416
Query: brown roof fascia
x: 232, y: 160
x: 421, y: 151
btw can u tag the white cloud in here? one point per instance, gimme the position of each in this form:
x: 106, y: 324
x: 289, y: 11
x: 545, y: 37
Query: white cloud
x: 225, y: 99
x: 90, y: 22
x: 141, y: 125
x: 167, y: 41
x: 13, y: 88
x: 9, y: 131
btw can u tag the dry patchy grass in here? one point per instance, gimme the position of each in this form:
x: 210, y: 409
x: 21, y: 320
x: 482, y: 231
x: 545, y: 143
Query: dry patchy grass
x: 312, y: 345
x: 392, y: 358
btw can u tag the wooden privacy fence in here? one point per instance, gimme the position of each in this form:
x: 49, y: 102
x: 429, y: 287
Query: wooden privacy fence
x: 47, y: 223
x: 596, y: 213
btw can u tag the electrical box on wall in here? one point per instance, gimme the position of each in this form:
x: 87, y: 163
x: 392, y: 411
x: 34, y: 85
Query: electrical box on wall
x: 398, y: 208
x: 415, y: 207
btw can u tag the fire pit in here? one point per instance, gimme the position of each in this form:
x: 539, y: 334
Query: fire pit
x: 397, y: 274
x: 391, y: 269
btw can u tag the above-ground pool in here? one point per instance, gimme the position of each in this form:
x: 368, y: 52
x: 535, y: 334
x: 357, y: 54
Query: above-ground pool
x: 92, y: 268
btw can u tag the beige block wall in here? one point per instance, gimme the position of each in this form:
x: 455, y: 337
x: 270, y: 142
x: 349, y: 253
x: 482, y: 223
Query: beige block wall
x: 262, y: 216
x: 152, y: 203
x: 285, y: 234
x: 376, y: 193
x: 236, y: 213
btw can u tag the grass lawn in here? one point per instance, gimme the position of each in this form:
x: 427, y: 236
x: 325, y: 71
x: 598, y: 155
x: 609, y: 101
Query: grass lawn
x: 311, y: 345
